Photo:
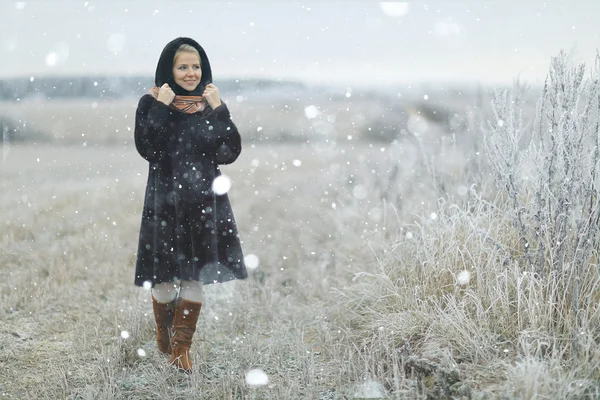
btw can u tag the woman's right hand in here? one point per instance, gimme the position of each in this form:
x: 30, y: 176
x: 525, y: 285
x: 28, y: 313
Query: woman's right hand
x: 165, y: 94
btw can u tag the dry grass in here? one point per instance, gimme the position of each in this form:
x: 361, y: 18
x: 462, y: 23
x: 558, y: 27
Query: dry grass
x: 357, y: 285
x: 70, y: 231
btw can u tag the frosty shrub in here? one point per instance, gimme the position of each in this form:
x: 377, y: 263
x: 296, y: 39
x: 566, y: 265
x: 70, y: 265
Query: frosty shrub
x: 485, y: 281
x: 549, y: 178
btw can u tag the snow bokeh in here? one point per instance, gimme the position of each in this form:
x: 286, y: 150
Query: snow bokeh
x: 463, y: 278
x: 395, y: 8
x: 221, y: 185
x: 311, y: 112
x: 256, y: 377
x: 251, y: 261
x: 51, y: 59
x: 58, y: 54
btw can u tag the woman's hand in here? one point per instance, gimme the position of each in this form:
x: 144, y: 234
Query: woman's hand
x: 165, y: 94
x: 212, y: 96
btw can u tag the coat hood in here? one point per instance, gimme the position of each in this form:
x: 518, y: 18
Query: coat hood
x: 164, y: 69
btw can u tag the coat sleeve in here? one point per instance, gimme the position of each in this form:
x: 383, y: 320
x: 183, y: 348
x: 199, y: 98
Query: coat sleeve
x: 222, y: 135
x: 151, y: 137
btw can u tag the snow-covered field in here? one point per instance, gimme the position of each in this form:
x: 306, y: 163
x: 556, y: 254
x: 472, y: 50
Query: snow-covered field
x: 70, y: 223
x: 384, y: 271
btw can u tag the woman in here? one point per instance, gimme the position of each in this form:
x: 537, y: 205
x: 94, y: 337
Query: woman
x: 188, y: 233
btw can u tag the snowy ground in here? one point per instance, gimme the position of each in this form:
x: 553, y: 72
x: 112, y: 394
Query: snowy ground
x: 374, y: 281
x: 70, y: 223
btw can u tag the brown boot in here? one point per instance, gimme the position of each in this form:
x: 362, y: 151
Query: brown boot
x: 184, y: 326
x: 163, y: 315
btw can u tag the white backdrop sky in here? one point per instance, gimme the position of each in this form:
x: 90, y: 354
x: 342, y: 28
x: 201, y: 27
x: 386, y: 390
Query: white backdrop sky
x: 358, y: 42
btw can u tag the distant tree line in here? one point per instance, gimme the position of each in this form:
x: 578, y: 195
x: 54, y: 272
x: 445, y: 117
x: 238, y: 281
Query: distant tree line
x: 54, y: 87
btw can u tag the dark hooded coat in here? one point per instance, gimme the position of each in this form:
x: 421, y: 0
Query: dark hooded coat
x: 187, y: 231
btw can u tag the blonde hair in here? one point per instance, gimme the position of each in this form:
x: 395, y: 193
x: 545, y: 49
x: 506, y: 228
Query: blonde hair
x: 188, y: 48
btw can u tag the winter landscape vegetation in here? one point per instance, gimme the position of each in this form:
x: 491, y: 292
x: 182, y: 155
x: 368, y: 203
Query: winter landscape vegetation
x: 415, y: 243
x: 415, y: 223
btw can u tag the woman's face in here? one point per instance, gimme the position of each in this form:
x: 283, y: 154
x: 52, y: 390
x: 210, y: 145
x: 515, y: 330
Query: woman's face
x: 187, y: 71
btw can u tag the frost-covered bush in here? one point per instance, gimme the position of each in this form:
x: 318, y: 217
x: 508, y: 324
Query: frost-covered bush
x: 551, y: 182
x: 492, y: 291
x: 549, y: 176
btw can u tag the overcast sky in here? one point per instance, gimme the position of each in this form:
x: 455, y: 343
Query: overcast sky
x: 359, y: 42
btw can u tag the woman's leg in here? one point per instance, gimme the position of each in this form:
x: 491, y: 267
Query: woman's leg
x: 187, y: 311
x: 165, y: 292
x: 163, y: 304
x: 192, y: 291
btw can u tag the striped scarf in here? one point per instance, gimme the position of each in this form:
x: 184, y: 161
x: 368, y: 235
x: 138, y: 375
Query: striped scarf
x: 186, y: 104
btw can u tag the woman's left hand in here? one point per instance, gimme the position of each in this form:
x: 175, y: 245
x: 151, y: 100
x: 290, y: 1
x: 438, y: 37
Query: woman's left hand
x: 212, y: 95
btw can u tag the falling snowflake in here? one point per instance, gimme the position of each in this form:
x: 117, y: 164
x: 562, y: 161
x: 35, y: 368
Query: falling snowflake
x: 463, y: 278
x: 256, y: 377
x: 51, y: 59
x: 359, y: 192
x: 251, y: 261
x: 221, y: 185
x: 394, y: 9
x: 311, y: 112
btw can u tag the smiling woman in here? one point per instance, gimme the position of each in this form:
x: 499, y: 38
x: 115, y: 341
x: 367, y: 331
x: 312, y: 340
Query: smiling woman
x: 187, y: 67
x: 188, y: 235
